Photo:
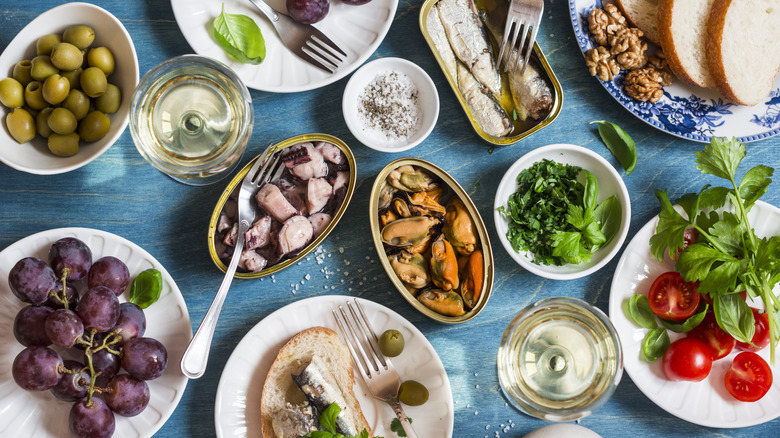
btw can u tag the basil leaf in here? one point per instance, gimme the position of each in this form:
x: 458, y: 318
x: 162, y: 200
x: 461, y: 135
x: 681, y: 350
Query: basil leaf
x: 239, y: 37
x: 591, y: 193
x: 639, y: 311
x: 146, y: 288
x: 655, y: 344
x: 734, y: 316
x: 619, y: 143
x: 608, y: 215
x: 687, y: 325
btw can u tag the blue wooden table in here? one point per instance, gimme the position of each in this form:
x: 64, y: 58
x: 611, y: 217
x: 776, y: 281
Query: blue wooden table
x: 120, y: 193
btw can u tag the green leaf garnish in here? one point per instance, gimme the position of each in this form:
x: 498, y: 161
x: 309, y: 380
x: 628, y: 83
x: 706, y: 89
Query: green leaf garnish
x: 655, y: 343
x: 639, y: 311
x: 328, y: 421
x: 619, y: 143
x: 239, y: 37
x: 689, y: 324
x: 146, y: 288
x: 396, y: 427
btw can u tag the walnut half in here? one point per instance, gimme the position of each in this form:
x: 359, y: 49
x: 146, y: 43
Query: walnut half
x: 601, y: 63
x: 604, y: 24
x: 644, y: 84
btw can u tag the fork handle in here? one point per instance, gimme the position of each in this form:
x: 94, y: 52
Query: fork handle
x: 399, y: 412
x: 196, y: 357
x: 265, y: 9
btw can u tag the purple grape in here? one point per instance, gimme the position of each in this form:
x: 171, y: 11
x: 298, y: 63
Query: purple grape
x: 74, y: 384
x: 132, y: 322
x: 64, y: 328
x: 109, y: 272
x: 355, y: 2
x: 37, y: 368
x: 31, y: 279
x: 70, y: 254
x: 93, y: 420
x: 106, y: 363
x: 308, y: 11
x: 99, y: 308
x: 126, y: 395
x: 144, y: 358
x: 29, y: 327
x: 71, y: 294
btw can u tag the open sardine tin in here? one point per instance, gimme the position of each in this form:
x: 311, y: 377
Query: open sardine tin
x: 236, y: 181
x: 496, y: 10
x: 483, y: 241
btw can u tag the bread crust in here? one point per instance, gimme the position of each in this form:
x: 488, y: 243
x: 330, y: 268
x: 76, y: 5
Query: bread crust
x: 650, y: 34
x: 714, y: 52
x: 671, y: 52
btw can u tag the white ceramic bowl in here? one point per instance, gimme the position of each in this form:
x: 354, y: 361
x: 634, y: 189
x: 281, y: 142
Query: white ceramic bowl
x: 427, y: 103
x: 610, y: 183
x: 34, y: 157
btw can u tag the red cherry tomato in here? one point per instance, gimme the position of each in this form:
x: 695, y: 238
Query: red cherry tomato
x: 749, y: 377
x: 687, y: 359
x: 718, y: 341
x: 761, y: 336
x: 672, y: 298
x: 689, y: 238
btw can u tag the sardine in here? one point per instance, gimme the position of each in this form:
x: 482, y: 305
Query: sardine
x: 294, y: 421
x: 469, y: 41
x: 439, y: 38
x: 484, y: 107
x: 321, y: 389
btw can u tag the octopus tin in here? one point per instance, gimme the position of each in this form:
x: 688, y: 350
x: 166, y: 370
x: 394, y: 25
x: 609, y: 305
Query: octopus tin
x: 294, y: 212
x: 503, y: 108
x: 431, y: 240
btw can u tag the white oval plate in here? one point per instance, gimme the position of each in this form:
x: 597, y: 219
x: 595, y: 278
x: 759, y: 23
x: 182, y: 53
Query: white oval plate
x: 40, y: 414
x: 610, y: 183
x: 687, y: 111
x: 237, y: 409
x: 707, y: 402
x: 358, y: 30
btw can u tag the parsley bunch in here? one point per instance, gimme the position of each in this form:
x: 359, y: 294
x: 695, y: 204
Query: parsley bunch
x: 728, y: 257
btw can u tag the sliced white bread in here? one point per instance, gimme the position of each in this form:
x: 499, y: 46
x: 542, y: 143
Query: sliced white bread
x: 682, y: 26
x: 279, y: 388
x: 743, y: 48
x: 642, y: 14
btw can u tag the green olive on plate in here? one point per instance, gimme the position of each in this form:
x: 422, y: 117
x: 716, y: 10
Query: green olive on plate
x: 412, y: 393
x: 42, y: 68
x: 63, y: 145
x: 66, y: 56
x: 79, y: 35
x: 78, y: 103
x: 11, y: 93
x: 42, y: 122
x: 45, y: 44
x: 94, y: 126
x: 102, y: 58
x: 62, y: 121
x: 21, y: 72
x: 93, y: 81
x: 33, y: 96
x: 21, y: 125
x: 109, y: 101
x: 55, y: 89
x: 391, y: 343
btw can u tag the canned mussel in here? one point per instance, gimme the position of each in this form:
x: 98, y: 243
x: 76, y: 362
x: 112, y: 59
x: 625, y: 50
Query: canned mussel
x: 431, y: 240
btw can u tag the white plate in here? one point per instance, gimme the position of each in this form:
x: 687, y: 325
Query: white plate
x: 237, y: 410
x: 610, y: 183
x: 40, y: 414
x: 358, y: 30
x: 685, y: 110
x: 707, y: 402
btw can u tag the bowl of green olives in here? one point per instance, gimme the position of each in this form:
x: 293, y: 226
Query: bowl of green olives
x: 65, y: 86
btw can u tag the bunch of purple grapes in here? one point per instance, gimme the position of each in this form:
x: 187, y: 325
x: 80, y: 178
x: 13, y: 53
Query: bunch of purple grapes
x: 107, y: 335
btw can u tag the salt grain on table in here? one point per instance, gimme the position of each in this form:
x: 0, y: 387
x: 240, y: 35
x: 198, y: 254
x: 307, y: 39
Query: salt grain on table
x: 388, y: 109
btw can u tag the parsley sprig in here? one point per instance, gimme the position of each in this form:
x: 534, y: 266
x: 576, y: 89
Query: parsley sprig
x: 728, y: 257
x: 328, y: 421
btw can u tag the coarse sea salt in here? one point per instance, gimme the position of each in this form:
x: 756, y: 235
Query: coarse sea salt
x: 388, y: 109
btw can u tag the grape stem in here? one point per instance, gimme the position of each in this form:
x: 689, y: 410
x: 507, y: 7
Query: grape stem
x: 62, y: 295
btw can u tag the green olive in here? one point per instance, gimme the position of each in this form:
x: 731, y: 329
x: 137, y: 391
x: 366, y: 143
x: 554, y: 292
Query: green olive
x: 20, y: 125
x: 94, y: 126
x: 55, y: 89
x: 109, y: 101
x: 33, y: 95
x: 412, y: 393
x: 66, y: 56
x: 64, y: 145
x: 46, y: 43
x: 391, y: 343
x: 42, y: 122
x: 42, y: 68
x: 79, y: 35
x: 93, y: 81
x: 78, y: 103
x: 102, y: 58
x: 11, y: 93
x: 74, y: 77
x: 22, y: 72
x: 62, y: 121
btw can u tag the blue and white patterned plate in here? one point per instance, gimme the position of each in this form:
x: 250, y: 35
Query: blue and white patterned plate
x: 687, y: 111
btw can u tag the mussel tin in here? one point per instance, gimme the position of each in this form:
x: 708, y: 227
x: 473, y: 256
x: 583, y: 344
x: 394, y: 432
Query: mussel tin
x: 236, y: 182
x: 454, y: 190
x: 492, y: 13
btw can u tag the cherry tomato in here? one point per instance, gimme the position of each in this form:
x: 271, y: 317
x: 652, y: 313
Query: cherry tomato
x: 718, y: 341
x: 749, y: 377
x: 672, y: 298
x: 689, y: 238
x: 687, y: 359
x: 761, y: 336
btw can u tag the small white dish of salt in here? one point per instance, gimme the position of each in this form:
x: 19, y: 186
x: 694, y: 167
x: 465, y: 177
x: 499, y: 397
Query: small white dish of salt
x: 390, y: 105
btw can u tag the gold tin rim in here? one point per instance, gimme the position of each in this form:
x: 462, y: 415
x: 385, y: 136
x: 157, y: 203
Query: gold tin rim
x: 302, y: 138
x: 499, y: 141
x: 487, y: 251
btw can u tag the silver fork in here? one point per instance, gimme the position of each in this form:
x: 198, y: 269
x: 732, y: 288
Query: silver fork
x: 377, y: 370
x: 267, y: 167
x: 305, y: 40
x: 522, y: 20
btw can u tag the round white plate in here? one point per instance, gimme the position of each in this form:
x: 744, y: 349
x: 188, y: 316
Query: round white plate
x: 357, y: 30
x: 40, y: 414
x: 707, y: 402
x: 686, y: 111
x: 237, y: 409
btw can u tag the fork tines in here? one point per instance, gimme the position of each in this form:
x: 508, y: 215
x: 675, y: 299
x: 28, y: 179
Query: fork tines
x: 267, y: 167
x: 361, y: 339
x: 522, y: 24
x: 323, y: 53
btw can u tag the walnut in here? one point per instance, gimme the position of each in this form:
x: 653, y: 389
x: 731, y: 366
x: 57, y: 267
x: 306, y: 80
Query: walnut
x: 628, y: 49
x: 658, y: 62
x: 601, y: 63
x: 603, y: 24
x: 644, y: 84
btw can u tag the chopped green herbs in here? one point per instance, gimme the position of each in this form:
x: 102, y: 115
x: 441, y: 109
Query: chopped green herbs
x: 239, y: 37
x: 555, y: 216
x: 619, y: 143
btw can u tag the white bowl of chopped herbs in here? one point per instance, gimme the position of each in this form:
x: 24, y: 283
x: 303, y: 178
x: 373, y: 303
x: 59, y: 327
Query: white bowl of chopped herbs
x: 562, y: 211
